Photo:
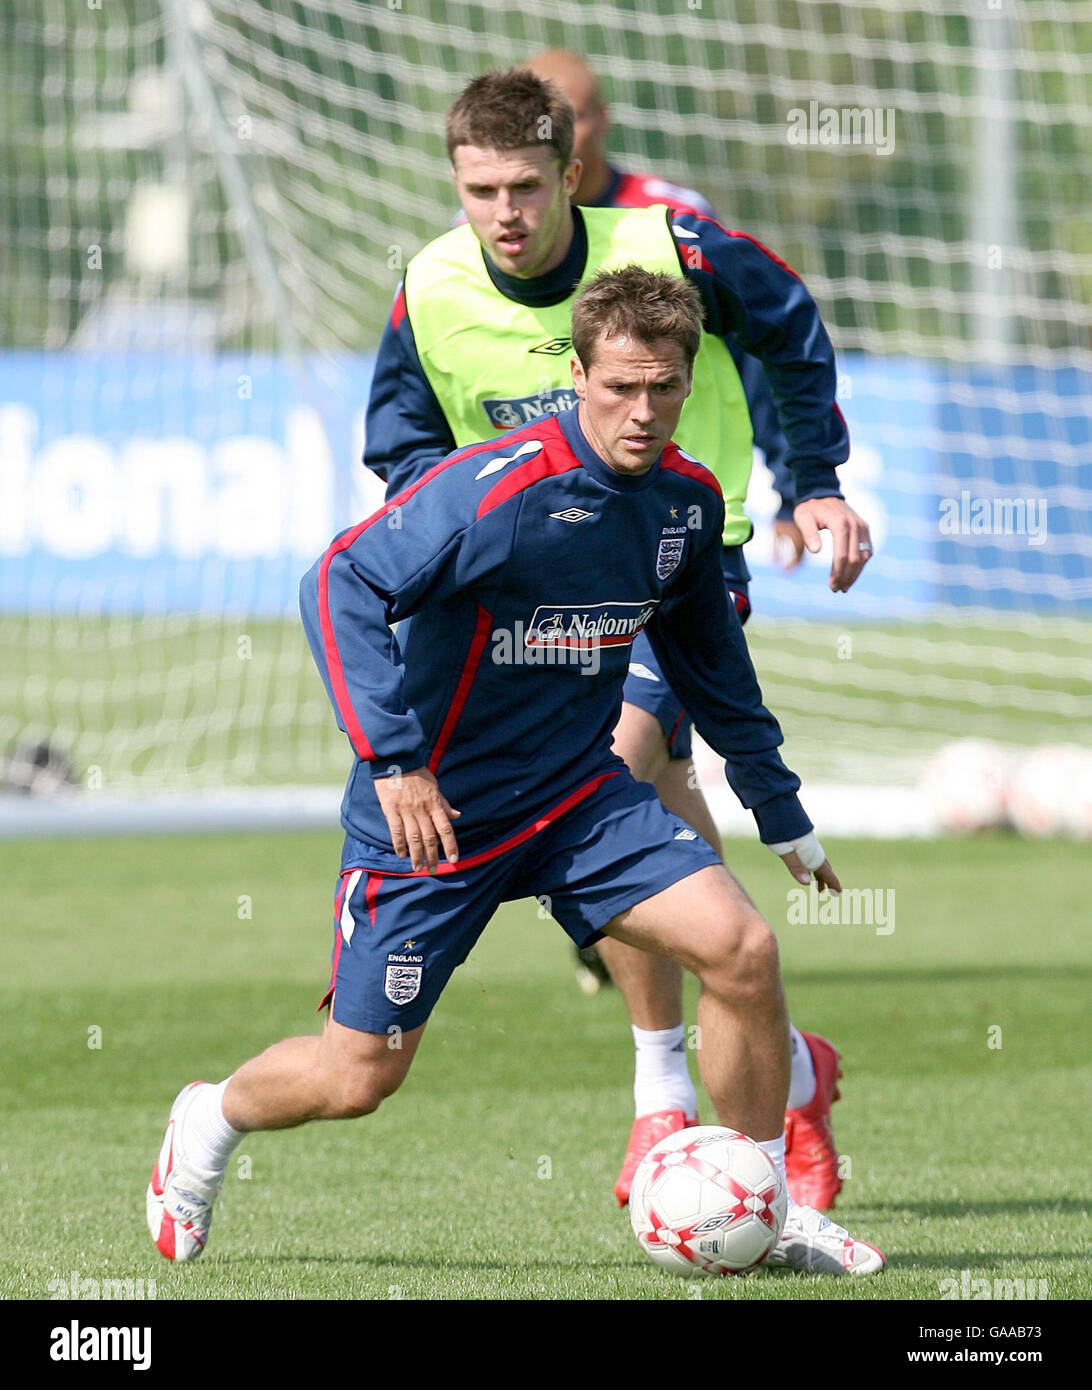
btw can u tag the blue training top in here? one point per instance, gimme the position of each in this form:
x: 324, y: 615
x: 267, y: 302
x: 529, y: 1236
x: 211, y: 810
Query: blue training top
x: 526, y: 566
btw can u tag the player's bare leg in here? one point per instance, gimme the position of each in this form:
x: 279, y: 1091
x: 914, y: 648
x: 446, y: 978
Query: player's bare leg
x: 708, y: 924
x: 652, y: 986
x: 336, y: 1075
x: 652, y: 989
x: 664, y: 1096
x: 339, y: 1074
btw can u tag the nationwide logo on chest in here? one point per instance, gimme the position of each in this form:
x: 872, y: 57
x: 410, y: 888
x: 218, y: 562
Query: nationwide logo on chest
x: 588, y: 625
x: 670, y: 553
x: 506, y: 414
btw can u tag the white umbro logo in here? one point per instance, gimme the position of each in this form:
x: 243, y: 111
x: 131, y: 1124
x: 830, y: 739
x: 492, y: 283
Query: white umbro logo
x: 573, y: 514
x: 687, y: 835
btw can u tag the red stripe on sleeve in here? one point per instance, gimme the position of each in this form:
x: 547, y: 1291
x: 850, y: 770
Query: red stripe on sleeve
x: 543, y: 465
x: 338, y: 684
x: 692, y: 256
x: 763, y: 248
x: 334, y: 667
x: 746, y: 237
x: 398, y: 309
x: 673, y: 461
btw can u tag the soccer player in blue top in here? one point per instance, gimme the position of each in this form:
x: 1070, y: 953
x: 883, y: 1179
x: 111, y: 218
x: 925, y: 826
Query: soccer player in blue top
x: 478, y: 339
x: 520, y: 570
x: 653, y: 734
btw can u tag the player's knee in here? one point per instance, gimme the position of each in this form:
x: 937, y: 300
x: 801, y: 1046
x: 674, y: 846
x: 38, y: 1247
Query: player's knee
x: 360, y: 1094
x: 743, y: 963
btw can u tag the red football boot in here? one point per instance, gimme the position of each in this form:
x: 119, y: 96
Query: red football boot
x: 811, y: 1156
x: 647, y: 1130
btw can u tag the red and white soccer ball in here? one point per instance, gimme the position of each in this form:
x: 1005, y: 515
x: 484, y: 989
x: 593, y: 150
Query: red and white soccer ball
x: 1079, y: 815
x: 1051, y: 793
x: 707, y: 1201
x: 965, y: 785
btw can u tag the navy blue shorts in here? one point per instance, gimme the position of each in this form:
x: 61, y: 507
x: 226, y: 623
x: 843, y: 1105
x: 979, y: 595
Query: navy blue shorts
x: 645, y: 685
x: 398, y: 936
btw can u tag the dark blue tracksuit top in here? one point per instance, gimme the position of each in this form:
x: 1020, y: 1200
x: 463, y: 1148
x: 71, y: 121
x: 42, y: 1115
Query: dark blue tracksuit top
x: 525, y: 567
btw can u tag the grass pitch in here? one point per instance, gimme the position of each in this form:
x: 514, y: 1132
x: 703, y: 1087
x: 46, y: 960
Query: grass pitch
x: 489, y: 1175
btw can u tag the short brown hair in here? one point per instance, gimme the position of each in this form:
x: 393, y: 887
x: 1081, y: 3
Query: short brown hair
x: 637, y: 303
x: 508, y: 110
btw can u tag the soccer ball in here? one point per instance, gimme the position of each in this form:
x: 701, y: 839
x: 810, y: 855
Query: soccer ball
x: 1051, y: 793
x: 965, y: 785
x: 707, y: 1201
x: 1079, y: 815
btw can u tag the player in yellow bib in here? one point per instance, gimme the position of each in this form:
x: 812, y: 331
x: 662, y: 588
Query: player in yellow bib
x: 479, y: 340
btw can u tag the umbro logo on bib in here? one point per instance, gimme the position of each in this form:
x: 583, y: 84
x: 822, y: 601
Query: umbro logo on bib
x: 553, y: 347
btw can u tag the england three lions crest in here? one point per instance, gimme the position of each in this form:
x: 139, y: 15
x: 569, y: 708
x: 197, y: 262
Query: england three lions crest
x: 402, y: 983
x: 669, y: 556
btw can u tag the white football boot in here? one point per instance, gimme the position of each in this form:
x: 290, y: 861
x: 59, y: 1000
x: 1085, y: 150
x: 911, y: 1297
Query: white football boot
x: 814, y: 1244
x: 180, y: 1197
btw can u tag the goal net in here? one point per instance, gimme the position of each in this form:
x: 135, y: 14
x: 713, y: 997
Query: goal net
x: 206, y: 207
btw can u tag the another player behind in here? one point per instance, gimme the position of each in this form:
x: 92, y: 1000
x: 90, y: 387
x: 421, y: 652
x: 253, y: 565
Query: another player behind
x: 603, y: 184
x: 477, y: 339
x: 562, y: 533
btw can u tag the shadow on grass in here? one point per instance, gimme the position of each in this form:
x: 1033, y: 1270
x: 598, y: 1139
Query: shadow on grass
x: 496, y: 1265
x: 947, y: 1262
x: 1065, y: 1206
x: 932, y: 975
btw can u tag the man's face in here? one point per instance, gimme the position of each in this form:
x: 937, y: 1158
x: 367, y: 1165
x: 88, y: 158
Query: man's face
x: 589, y: 128
x: 581, y: 90
x: 631, y: 397
x: 517, y: 202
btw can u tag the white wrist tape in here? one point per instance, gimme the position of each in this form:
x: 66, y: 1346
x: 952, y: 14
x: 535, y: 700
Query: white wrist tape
x: 811, y: 852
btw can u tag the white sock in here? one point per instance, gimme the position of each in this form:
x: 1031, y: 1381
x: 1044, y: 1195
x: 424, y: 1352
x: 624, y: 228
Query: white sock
x: 661, y: 1078
x: 210, y: 1140
x: 775, y: 1149
x: 802, y: 1079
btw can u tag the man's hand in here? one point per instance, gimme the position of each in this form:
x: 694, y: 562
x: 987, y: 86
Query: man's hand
x: 824, y: 874
x: 852, y: 542
x: 788, y: 544
x: 419, y: 817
